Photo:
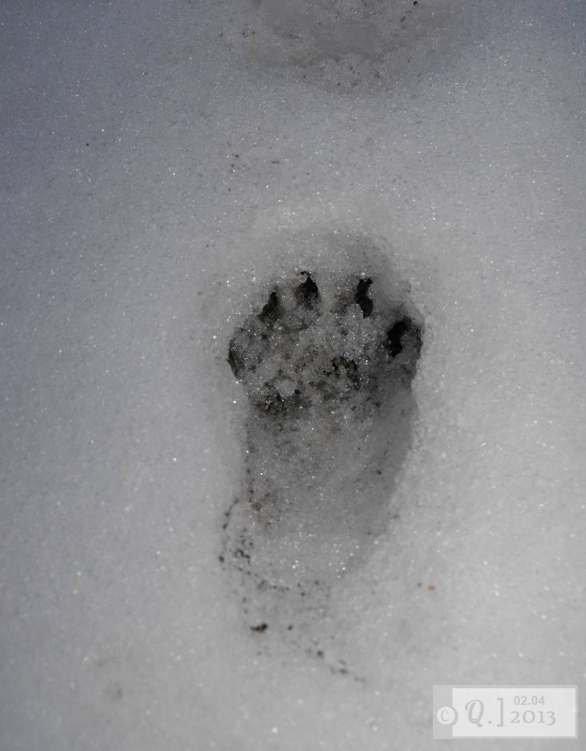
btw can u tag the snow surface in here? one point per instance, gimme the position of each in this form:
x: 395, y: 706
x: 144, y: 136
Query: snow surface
x: 160, y: 164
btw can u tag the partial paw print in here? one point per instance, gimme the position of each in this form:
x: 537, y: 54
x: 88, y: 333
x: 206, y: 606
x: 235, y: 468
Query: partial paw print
x: 356, y: 44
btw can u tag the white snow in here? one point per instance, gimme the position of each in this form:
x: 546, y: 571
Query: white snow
x: 161, y: 163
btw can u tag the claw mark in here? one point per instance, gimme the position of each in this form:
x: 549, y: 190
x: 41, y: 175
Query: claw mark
x: 362, y: 299
x: 307, y: 294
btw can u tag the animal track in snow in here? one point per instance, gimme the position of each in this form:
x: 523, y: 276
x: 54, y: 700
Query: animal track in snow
x: 326, y: 365
x: 348, y: 44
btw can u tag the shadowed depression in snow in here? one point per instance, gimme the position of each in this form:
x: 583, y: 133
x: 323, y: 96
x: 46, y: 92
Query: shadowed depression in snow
x: 326, y: 365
